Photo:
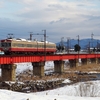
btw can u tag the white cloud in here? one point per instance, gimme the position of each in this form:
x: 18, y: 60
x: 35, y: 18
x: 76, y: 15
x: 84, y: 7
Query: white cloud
x: 1, y: 4
x: 50, y: 11
x: 58, y: 17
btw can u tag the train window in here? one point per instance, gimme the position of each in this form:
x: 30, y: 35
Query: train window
x: 35, y: 46
x: 50, y: 46
x: 41, y: 46
x: 14, y: 44
x: 20, y: 45
x: 4, y: 44
x: 29, y: 45
x: 9, y: 44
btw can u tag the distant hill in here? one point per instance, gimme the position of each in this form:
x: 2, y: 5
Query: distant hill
x: 84, y: 43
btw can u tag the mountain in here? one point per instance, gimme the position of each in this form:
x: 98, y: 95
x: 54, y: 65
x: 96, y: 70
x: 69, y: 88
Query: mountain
x: 84, y: 43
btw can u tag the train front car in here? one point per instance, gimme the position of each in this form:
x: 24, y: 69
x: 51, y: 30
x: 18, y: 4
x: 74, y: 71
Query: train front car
x: 5, y: 46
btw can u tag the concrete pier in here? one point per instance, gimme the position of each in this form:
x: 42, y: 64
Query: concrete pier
x: 8, y: 72
x: 93, y: 60
x: 85, y: 61
x: 59, y: 66
x: 97, y: 60
x: 38, y: 68
x: 74, y: 63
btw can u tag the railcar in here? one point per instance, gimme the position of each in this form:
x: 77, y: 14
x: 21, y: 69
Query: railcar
x: 23, y: 46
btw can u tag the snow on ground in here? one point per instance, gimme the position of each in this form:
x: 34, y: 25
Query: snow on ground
x: 84, y: 89
x: 9, y: 95
x: 71, y: 92
x: 24, y: 66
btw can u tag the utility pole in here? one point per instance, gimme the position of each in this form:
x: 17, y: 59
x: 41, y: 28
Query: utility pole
x: 97, y: 46
x: 92, y: 39
x: 44, y: 44
x: 31, y: 33
x: 68, y: 39
x: 78, y: 39
x: 78, y: 50
x: 62, y: 43
x: 89, y: 47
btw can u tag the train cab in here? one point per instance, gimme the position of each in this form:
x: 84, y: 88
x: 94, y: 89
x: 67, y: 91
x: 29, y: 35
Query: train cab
x: 5, y: 44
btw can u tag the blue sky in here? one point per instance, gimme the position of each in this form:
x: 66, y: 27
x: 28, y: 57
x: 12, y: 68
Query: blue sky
x: 60, y: 18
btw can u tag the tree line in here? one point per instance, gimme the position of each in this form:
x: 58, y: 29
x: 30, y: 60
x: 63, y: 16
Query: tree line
x: 62, y: 47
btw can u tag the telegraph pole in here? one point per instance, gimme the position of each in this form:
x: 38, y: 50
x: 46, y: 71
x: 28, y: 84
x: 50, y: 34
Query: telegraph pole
x: 62, y: 44
x: 68, y: 45
x: 31, y: 33
x: 44, y: 44
x: 97, y: 46
x: 89, y: 47
x: 78, y: 50
x: 78, y: 39
x: 92, y: 39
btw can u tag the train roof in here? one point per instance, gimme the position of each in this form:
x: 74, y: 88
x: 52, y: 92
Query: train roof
x: 21, y: 39
x: 14, y: 39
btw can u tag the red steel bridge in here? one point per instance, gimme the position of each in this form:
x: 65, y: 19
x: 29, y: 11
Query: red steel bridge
x: 8, y: 65
x: 40, y: 58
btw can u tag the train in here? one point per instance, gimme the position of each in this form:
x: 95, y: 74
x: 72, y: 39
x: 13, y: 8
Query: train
x: 22, y: 46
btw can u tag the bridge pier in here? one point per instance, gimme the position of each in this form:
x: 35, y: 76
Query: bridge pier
x: 85, y: 61
x: 98, y: 60
x: 8, y: 72
x: 38, y: 68
x: 74, y: 62
x: 93, y: 60
x: 59, y: 66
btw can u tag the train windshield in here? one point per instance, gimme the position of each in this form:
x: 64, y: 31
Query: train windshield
x: 5, y: 44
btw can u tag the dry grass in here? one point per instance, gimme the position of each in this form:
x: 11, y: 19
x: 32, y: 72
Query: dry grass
x: 70, y: 73
x: 86, y: 68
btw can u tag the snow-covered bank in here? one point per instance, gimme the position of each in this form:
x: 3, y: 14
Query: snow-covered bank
x: 9, y: 95
x: 84, y: 89
x: 71, y: 92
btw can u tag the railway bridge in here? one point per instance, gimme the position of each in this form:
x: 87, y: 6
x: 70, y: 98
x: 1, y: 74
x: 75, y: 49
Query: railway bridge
x: 8, y: 66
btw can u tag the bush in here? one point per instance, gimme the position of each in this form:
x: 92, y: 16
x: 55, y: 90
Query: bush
x: 88, y: 89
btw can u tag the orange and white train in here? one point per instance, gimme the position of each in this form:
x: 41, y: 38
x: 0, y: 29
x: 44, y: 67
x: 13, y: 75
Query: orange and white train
x: 23, y: 46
